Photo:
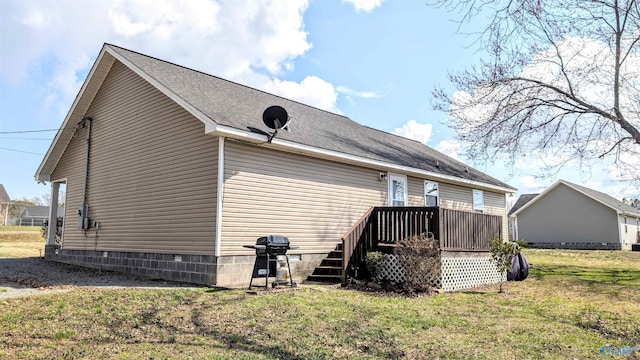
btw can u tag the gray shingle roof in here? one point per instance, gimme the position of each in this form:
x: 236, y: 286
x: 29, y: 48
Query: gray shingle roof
x: 604, y: 198
x: 522, y: 201
x: 39, y: 211
x: 4, y: 197
x: 240, y: 107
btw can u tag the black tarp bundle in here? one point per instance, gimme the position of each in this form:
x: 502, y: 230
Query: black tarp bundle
x: 519, y: 268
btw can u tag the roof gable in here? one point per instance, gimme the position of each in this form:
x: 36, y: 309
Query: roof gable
x: 522, y: 201
x: 233, y: 110
x: 600, y: 197
x: 4, y: 197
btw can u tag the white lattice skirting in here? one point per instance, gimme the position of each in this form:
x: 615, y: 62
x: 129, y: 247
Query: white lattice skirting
x: 467, y: 272
x: 391, y: 269
x: 458, y: 272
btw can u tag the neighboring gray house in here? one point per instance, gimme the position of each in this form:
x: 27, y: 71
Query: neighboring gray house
x: 566, y: 215
x: 181, y: 172
x: 36, y: 215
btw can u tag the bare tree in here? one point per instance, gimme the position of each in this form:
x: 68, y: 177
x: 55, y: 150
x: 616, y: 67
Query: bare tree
x: 561, y: 81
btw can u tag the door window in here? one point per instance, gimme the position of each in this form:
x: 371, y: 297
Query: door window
x: 397, y: 190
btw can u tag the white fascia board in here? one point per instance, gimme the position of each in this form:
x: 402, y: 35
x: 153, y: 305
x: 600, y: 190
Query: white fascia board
x: 293, y: 147
x: 163, y: 89
x: 39, y: 176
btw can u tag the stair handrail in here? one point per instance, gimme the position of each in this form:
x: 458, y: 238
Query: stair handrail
x: 350, y: 240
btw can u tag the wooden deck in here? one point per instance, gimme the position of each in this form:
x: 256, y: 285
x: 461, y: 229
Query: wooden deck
x: 383, y: 227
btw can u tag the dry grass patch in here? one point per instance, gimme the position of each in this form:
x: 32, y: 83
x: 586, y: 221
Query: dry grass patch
x: 21, y: 241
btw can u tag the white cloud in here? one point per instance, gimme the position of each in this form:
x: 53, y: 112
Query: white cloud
x: 450, y: 148
x: 312, y: 91
x: 364, y: 5
x: 414, y: 130
x: 237, y: 40
x: 530, y: 185
x: 360, y: 94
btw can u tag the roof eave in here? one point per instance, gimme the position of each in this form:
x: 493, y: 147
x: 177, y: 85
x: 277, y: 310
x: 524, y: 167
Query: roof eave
x: 80, y: 105
x: 293, y: 147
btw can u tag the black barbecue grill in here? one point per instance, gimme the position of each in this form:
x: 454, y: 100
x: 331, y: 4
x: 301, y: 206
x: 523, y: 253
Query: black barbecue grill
x: 268, y: 248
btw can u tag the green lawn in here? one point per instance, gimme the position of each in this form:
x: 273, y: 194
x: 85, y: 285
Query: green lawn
x: 573, y: 304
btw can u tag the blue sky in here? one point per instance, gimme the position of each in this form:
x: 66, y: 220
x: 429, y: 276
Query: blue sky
x: 372, y: 60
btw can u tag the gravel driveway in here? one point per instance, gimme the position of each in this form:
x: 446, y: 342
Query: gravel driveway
x: 21, y: 277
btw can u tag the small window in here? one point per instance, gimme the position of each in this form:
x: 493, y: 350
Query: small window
x: 430, y: 193
x: 625, y: 225
x: 478, y: 201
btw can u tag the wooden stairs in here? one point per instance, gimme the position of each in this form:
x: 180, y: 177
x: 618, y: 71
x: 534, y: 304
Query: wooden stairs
x: 330, y: 269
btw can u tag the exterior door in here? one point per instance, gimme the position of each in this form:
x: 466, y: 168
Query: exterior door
x: 397, y: 190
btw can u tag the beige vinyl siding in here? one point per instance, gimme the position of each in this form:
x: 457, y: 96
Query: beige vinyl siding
x: 496, y: 204
x: 415, y: 191
x: 153, y: 173
x: 455, y: 197
x: 312, y: 201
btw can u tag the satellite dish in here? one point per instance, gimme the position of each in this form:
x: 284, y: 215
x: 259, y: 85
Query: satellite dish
x: 275, y: 117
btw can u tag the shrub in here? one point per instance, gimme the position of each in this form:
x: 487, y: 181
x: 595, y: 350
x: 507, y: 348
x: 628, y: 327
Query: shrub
x: 502, y: 252
x: 419, y: 257
x: 374, y: 260
x: 44, y: 229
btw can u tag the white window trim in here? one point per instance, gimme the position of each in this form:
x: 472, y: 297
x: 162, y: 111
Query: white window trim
x: 437, y: 192
x: 390, y: 179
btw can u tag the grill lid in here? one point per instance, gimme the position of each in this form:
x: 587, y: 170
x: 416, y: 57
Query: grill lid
x: 273, y: 241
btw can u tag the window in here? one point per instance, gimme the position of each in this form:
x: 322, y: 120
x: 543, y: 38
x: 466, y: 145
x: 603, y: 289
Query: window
x: 478, y: 201
x: 397, y: 190
x: 625, y: 225
x: 430, y: 193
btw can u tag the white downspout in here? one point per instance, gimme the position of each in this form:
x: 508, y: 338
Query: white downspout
x: 219, y: 195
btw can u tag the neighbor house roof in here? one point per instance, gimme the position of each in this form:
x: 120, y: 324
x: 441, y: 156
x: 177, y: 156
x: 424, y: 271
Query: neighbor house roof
x: 39, y: 211
x: 604, y: 199
x: 233, y: 110
x: 4, y: 197
x: 522, y: 200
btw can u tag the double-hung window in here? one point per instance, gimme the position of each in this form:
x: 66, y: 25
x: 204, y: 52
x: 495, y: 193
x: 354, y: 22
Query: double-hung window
x: 478, y: 201
x: 430, y: 193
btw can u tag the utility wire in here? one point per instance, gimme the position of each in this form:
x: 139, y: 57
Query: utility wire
x: 26, y: 131
x: 20, y: 151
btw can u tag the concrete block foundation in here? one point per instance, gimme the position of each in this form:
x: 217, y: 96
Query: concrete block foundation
x: 225, y: 271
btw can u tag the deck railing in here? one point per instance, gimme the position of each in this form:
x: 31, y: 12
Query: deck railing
x: 467, y: 231
x: 457, y: 231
